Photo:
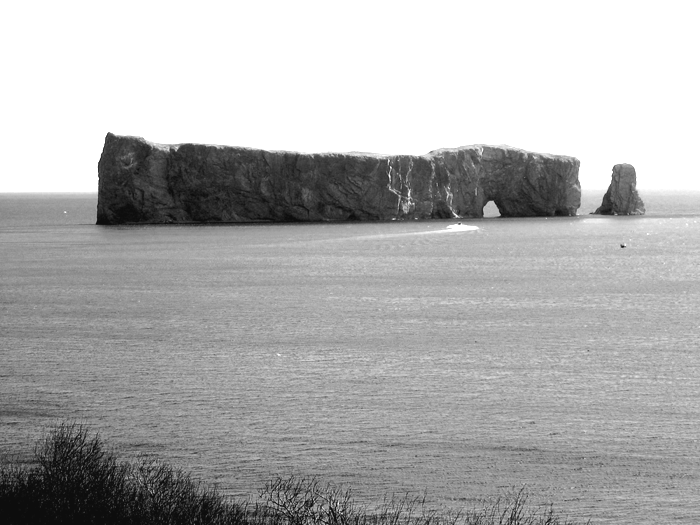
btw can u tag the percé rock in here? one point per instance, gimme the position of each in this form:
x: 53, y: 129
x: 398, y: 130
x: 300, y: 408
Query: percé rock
x: 622, y: 197
x: 140, y: 181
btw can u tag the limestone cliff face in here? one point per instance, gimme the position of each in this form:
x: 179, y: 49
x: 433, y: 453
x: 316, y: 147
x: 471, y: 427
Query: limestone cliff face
x: 144, y: 182
x: 622, y: 197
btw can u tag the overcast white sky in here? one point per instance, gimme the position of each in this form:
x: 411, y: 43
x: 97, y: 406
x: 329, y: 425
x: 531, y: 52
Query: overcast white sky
x: 607, y: 82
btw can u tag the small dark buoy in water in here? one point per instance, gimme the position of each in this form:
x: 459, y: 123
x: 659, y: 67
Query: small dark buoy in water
x: 623, y: 245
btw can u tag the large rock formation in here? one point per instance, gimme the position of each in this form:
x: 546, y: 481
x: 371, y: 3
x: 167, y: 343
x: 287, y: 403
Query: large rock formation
x: 144, y: 182
x: 622, y: 197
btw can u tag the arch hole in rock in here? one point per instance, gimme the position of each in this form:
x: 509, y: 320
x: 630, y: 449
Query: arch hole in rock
x: 491, y: 210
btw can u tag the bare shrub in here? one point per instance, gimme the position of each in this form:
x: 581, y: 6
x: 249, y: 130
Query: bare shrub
x: 76, y: 480
x: 306, y: 501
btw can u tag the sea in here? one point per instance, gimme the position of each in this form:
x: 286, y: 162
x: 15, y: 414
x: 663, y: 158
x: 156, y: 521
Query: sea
x: 459, y: 362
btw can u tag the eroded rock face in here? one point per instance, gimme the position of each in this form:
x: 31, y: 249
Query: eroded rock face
x: 140, y: 181
x: 622, y: 197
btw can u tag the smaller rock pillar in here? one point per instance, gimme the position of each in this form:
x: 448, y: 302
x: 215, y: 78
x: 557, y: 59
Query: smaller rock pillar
x: 622, y: 197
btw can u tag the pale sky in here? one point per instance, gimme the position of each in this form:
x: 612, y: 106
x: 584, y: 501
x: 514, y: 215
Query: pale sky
x: 604, y: 81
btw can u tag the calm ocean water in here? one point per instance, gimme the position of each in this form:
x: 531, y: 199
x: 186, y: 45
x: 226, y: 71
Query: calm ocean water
x: 391, y: 357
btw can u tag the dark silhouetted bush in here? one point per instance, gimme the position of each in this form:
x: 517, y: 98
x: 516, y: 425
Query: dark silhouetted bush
x: 75, y: 480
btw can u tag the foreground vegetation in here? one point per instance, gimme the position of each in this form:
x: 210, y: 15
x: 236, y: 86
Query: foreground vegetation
x: 75, y: 479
